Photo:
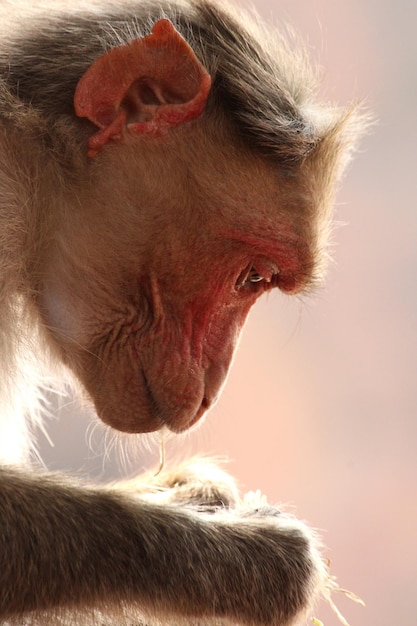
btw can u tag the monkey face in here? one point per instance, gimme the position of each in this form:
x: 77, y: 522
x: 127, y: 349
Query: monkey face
x: 151, y: 277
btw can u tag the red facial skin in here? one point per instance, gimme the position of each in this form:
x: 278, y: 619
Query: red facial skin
x: 151, y: 336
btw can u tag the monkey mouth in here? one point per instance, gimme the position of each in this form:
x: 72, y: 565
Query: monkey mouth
x: 182, y: 420
x: 177, y: 418
x: 146, y: 413
x: 179, y: 425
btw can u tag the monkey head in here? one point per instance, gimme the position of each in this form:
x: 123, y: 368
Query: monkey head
x: 174, y: 228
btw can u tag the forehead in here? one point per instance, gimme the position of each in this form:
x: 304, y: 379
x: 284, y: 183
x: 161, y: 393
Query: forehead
x: 247, y: 187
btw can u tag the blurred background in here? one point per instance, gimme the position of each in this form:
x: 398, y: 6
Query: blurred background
x: 320, y: 409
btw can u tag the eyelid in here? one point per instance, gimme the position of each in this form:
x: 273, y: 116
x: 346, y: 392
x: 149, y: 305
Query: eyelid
x: 260, y: 272
x: 254, y: 276
x: 266, y: 269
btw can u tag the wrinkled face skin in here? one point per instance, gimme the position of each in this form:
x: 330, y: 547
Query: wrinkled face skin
x: 154, y: 268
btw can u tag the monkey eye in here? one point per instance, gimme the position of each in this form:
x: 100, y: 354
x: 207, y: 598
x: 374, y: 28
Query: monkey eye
x: 253, y: 276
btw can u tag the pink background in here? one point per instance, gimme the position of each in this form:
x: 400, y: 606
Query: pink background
x: 320, y: 408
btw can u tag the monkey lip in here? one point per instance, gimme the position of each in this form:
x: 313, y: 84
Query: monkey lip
x: 140, y: 423
x: 183, y: 422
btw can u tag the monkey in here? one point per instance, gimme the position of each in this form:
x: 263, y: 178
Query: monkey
x: 162, y: 165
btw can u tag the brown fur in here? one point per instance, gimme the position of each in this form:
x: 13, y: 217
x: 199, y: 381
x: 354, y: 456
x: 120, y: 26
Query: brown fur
x: 182, y: 548
x: 132, y: 274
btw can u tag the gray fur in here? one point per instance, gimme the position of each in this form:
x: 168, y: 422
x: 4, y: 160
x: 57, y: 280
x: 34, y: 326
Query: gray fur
x: 263, y: 93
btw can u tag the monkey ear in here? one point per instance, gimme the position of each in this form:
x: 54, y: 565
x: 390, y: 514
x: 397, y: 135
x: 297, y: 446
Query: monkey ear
x: 146, y: 86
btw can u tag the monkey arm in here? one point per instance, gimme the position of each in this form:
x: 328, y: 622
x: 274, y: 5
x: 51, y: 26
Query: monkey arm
x: 65, y: 546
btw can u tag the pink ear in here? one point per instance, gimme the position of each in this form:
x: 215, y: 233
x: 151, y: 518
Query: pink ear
x: 146, y: 86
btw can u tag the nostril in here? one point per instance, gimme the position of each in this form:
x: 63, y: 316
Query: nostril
x: 205, y: 404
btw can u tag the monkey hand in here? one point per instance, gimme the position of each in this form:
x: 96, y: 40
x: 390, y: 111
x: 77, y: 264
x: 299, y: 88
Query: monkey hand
x: 198, y: 482
x: 273, y: 570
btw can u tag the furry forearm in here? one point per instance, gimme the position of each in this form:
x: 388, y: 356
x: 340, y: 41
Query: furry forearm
x: 64, y: 546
